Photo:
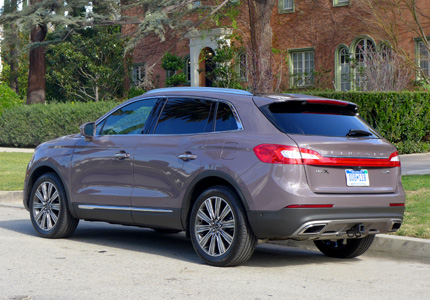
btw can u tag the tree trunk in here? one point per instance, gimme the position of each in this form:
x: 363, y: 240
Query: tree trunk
x: 260, y: 15
x: 14, y: 61
x: 36, y: 92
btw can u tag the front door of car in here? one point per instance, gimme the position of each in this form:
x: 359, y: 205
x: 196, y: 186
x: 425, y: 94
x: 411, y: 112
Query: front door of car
x: 102, y: 169
x: 167, y: 160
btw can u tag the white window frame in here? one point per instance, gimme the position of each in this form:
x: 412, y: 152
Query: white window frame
x: 301, y: 73
x: 286, y: 6
x: 423, y: 59
x: 139, y: 73
x: 337, y: 3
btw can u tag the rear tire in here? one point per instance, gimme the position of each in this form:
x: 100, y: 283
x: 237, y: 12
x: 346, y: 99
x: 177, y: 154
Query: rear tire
x: 347, y: 248
x: 49, y: 211
x: 219, y: 229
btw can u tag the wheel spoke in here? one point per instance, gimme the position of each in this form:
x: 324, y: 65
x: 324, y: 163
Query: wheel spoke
x: 39, y: 196
x: 221, y: 247
x: 53, y: 197
x: 38, y: 216
x: 209, y: 208
x: 203, y: 241
x: 228, y: 238
x: 225, y: 212
x: 218, y: 202
x: 50, y: 185
x: 212, y: 245
x: 37, y: 205
x: 203, y: 216
x: 49, y: 221
x: 44, y: 192
x: 53, y: 217
x: 202, y: 228
x: 43, y: 222
x: 228, y: 224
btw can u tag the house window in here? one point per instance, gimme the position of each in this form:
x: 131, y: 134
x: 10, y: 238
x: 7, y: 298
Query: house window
x: 285, y: 6
x: 364, y: 51
x: 139, y: 74
x: 424, y: 59
x: 187, y: 68
x: 344, y: 64
x: 341, y: 3
x: 242, y: 66
x: 302, y: 71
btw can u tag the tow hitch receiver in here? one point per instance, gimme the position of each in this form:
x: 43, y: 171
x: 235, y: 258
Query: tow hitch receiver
x: 356, y: 231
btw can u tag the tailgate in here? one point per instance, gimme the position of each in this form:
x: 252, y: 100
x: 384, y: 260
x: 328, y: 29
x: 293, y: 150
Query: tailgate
x: 350, y: 165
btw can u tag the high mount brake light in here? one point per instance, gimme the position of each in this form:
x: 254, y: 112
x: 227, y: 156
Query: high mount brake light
x: 282, y: 154
x: 330, y: 102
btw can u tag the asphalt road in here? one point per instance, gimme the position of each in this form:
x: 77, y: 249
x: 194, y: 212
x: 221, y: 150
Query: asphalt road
x: 102, y: 261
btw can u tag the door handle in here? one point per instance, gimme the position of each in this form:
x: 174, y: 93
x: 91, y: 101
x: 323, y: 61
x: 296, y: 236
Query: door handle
x: 122, y: 155
x: 187, y: 156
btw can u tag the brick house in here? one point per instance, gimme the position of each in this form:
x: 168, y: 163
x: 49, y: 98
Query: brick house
x: 319, y: 38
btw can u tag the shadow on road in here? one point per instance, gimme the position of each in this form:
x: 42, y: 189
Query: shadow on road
x: 175, y: 246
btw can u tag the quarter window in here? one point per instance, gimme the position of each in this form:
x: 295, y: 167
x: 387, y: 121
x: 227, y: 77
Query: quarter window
x: 225, y: 119
x: 129, y: 119
x: 184, y: 116
x: 302, y: 68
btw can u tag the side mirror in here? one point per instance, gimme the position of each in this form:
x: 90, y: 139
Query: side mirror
x: 88, y: 130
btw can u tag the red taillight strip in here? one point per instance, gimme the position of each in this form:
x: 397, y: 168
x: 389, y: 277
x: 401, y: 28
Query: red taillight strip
x: 397, y: 204
x: 310, y: 206
x: 330, y: 102
x: 281, y: 154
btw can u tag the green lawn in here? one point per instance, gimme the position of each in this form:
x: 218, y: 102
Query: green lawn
x: 417, y: 215
x: 12, y: 170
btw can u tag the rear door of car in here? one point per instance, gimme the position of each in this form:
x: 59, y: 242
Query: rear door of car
x: 167, y: 160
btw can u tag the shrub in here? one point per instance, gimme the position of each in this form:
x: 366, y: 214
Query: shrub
x: 30, y: 125
x: 8, y: 98
x: 134, y: 92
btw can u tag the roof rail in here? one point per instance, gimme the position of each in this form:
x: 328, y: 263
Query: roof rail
x: 201, y: 89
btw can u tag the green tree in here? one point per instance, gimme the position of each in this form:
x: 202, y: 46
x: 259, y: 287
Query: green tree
x: 88, y: 66
x: 172, y: 64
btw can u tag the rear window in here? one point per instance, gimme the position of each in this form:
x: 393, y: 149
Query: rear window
x: 301, y: 117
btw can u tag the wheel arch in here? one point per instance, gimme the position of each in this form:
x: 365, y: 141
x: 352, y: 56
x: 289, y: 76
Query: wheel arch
x: 202, y: 182
x: 39, y: 170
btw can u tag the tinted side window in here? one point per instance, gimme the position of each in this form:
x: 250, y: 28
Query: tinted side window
x: 129, y: 119
x: 182, y: 116
x: 225, y: 119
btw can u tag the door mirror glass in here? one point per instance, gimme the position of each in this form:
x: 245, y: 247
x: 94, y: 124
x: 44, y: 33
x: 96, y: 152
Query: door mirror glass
x: 88, y: 130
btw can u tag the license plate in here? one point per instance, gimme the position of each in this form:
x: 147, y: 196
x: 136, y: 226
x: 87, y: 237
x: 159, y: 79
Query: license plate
x: 357, y: 177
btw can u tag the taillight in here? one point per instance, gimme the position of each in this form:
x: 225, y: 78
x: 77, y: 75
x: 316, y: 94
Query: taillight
x: 282, y: 154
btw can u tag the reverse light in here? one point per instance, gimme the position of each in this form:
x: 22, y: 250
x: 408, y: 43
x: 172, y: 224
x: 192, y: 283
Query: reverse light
x: 282, y: 154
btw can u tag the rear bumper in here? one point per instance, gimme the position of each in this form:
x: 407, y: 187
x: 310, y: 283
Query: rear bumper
x: 324, y: 223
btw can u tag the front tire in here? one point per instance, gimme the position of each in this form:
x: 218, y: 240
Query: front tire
x: 347, y: 248
x: 49, y: 211
x: 219, y: 229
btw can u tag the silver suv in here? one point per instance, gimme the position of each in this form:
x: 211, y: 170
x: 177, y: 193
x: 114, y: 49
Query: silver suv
x: 226, y: 166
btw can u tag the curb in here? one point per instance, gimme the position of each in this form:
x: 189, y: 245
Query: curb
x: 383, y: 246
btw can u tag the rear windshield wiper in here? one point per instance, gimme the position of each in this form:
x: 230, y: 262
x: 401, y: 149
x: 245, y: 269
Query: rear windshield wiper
x: 358, y: 132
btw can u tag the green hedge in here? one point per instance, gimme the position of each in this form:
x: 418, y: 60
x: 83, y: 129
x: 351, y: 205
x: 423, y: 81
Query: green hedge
x: 403, y: 118
x: 30, y: 125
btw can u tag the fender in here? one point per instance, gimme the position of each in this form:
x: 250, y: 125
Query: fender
x: 194, y: 185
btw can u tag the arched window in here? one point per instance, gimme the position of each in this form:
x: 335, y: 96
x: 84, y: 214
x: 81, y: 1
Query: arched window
x: 364, y: 51
x: 344, y: 66
x: 187, y: 68
x: 242, y: 66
